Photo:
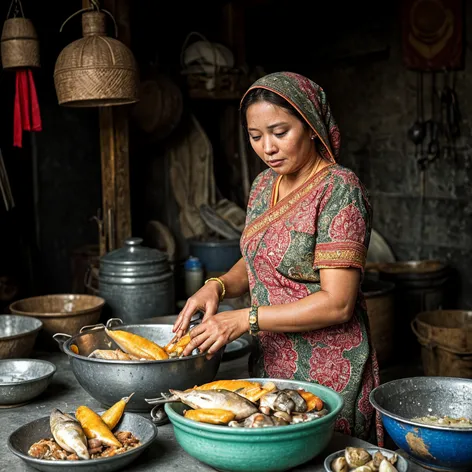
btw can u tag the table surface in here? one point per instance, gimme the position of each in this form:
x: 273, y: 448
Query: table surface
x: 165, y: 454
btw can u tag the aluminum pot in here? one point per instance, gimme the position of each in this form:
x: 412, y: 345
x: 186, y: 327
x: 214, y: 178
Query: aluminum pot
x: 136, y: 282
x: 107, y: 381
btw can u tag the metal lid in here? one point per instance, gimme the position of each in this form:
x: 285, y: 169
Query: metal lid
x: 133, y: 253
x: 133, y: 260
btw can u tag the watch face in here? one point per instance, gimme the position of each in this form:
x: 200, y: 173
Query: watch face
x: 252, y: 319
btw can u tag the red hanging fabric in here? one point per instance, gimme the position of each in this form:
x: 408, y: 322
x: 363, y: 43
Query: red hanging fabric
x: 26, y: 115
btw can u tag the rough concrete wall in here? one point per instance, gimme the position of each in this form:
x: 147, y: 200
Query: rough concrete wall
x: 375, y: 104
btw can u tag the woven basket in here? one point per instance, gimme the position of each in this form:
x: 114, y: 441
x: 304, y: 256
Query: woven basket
x: 20, y: 45
x: 95, y: 70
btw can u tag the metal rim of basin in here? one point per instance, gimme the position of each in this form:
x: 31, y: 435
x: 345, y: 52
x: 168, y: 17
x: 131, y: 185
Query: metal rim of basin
x: 100, y: 302
x: 29, y: 361
x: 23, y: 333
x: 83, y: 463
x: 174, y: 415
x: 408, y: 421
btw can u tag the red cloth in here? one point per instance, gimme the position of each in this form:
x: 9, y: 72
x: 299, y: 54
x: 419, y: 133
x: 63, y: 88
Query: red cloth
x: 26, y: 116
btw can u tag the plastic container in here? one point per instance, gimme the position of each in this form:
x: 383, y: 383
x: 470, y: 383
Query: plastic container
x: 193, y: 275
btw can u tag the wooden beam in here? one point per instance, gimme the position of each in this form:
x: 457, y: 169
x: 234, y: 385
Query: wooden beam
x: 114, y: 151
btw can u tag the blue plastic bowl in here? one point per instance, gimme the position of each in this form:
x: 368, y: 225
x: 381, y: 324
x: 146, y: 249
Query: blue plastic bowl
x: 270, y: 449
x: 441, y: 448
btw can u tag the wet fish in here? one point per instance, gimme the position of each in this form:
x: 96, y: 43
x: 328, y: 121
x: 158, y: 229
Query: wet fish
x: 298, y: 400
x: 223, y: 399
x: 257, y: 420
x: 115, y: 355
x: 277, y: 401
x: 310, y: 416
x: 68, y: 433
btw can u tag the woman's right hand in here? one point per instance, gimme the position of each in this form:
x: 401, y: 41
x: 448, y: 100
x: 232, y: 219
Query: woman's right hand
x: 207, y: 300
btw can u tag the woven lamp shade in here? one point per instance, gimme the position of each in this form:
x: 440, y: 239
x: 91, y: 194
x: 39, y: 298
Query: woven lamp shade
x: 96, y: 70
x: 20, y: 45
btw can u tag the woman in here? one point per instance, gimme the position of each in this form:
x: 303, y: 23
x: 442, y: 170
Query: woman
x: 304, y: 249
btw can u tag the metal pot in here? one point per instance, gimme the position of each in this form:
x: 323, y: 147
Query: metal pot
x: 136, y: 282
x: 108, y: 381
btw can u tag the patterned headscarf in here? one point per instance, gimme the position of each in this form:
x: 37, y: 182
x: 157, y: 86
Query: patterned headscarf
x: 309, y: 99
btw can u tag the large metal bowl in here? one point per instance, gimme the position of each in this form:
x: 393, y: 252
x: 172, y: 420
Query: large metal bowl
x: 263, y: 449
x: 64, y: 313
x: 108, y: 381
x: 434, y: 447
x: 20, y: 441
x: 18, y: 335
x: 21, y: 380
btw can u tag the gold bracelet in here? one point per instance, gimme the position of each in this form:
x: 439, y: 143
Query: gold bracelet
x: 223, y: 288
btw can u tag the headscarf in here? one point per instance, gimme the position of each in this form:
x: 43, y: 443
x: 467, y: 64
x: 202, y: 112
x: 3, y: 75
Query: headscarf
x: 309, y: 99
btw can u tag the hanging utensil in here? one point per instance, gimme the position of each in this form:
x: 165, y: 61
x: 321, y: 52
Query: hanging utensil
x: 417, y: 131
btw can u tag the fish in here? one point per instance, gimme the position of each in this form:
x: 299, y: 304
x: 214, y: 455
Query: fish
x: 298, y: 400
x: 277, y: 401
x: 221, y: 399
x: 310, y: 416
x: 114, y: 355
x: 68, y: 433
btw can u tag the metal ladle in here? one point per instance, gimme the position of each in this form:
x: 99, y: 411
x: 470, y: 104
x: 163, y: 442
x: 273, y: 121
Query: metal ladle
x: 417, y: 131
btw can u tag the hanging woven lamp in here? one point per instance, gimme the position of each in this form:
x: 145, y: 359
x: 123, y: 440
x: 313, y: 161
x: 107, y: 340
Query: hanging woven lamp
x: 96, y: 70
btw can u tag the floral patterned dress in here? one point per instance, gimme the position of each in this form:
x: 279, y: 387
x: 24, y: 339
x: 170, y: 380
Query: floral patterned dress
x: 325, y: 223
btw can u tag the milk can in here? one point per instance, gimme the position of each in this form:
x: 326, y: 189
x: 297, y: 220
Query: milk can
x: 136, y: 282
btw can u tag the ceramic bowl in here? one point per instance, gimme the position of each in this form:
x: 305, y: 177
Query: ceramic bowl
x: 262, y: 449
x: 401, y: 465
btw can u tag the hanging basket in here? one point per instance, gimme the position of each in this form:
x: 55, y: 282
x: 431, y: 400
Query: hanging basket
x: 20, y: 45
x: 95, y: 70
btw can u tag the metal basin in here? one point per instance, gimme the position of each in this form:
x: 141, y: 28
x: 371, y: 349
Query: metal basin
x: 65, y: 313
x: 435, y: 447
x: 18, y: 335
x: 108, y: 381
x: 269, y: 449
x: 21, y: 380
x: 20, y: 441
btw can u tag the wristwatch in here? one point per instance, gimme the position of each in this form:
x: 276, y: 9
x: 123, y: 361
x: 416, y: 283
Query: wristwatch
x: 253, y: 320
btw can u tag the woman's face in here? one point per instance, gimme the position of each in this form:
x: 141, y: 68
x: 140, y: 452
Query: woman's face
x: 279, y: 138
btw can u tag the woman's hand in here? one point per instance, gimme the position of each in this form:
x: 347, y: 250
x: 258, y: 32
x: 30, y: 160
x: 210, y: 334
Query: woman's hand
x: 206, y: 299
x: 216, y: 331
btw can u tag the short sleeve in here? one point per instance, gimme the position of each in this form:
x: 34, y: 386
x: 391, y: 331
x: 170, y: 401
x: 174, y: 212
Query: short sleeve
x: 344, y: 224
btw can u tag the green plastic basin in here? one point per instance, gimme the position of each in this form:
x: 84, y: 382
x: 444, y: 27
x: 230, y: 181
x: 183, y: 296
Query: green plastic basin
x: 262, y: 449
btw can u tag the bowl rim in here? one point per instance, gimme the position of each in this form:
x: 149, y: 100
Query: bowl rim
x: 36, y: 379
x: 58, y: 314
x: 67, y: 350
x: 401, y: 419
x: 328, y: 459
x: 24, y: 333
x: 59, y: 464
x: 291, y: 428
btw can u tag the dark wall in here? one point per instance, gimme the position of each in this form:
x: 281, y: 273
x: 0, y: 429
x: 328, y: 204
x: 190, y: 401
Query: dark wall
x: 68, y: 161
x: 353, y: 51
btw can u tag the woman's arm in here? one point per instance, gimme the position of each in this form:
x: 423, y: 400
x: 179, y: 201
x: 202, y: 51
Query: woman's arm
x: 235, y: 280
x: 208, y: 297
x: 333, y: 304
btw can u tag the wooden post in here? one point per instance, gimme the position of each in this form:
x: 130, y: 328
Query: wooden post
x: 114, y: 151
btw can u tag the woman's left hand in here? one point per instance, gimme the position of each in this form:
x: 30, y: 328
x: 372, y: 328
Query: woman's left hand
x: 213, y: 333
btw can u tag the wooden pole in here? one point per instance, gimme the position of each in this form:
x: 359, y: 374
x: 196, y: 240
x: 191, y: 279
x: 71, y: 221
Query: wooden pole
x: 114, y: 151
